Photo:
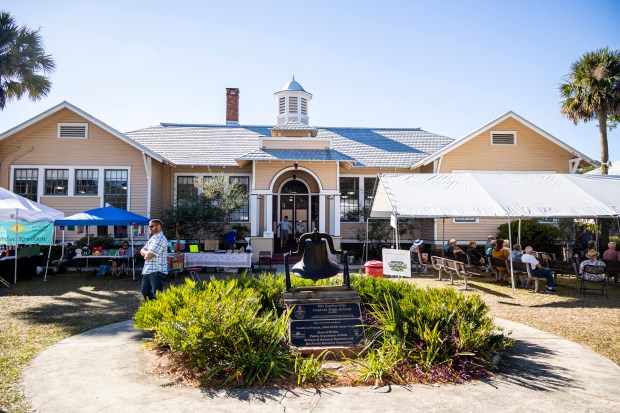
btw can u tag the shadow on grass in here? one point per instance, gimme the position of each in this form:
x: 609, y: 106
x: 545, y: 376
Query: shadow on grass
x: 74, y: 302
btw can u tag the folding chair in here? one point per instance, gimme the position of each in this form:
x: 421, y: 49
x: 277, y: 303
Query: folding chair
x: 264, y: 257
x: 594, y: 270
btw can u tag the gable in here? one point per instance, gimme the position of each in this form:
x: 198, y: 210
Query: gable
x: 495, y: 140
x: 508, y: 146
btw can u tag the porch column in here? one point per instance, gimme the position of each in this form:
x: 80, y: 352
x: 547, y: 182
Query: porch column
x: 336, y: 218
x: 321, y: 213
x: 268, y: 212
x: 254, y: 214
x: 332, y: 215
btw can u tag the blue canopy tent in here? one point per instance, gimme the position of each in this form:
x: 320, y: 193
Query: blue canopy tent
x: 105, y: 216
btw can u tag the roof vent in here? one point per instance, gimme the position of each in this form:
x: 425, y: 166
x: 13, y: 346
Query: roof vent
x: 73, y: 130
x: 503, y: 138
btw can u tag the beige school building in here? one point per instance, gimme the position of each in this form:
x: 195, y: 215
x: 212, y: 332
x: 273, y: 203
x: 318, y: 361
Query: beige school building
x: 324, y: 176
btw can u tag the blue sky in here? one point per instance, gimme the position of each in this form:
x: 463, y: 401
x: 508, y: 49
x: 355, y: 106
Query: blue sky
x: 447, y: 67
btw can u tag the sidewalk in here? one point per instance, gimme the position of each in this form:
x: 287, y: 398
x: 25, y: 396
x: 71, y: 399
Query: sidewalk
x: 104, y: 370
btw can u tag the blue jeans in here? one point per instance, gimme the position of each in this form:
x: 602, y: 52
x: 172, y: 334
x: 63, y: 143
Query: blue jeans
x: 545, y: 272
x: 151, y: 283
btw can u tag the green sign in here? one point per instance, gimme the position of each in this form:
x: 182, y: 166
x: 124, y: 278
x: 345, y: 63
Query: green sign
x: 27, y: 232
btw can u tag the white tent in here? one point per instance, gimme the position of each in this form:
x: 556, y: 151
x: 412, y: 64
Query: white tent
x: 507, y: 195
x: 15, y: 208
x: 496, y: 195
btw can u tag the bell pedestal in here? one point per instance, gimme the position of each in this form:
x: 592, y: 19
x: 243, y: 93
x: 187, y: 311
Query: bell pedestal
x: 325, y: 318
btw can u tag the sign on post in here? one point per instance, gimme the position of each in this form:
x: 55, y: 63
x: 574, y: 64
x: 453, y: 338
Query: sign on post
x: 396, y: 262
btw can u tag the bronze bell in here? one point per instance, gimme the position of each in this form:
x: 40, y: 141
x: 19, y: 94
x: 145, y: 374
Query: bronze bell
x: 315, y: 263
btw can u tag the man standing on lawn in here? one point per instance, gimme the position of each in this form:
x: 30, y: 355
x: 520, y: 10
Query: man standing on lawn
x: 155, y: 254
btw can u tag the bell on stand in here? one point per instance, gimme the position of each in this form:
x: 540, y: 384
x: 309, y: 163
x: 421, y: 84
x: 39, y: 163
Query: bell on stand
x: 315, y: 263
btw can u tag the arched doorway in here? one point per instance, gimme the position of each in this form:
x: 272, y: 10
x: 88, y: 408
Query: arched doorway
x: 296, y: 201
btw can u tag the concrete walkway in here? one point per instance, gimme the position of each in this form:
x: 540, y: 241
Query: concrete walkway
x: 104, y: 370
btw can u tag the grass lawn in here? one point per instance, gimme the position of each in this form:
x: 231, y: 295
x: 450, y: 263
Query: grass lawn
x: 35, y: 315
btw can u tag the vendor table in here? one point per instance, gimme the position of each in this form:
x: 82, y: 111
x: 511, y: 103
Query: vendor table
x: 214, y: 259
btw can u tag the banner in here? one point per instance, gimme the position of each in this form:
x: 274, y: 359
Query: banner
x: 396, y: 262
x: 29, y: 232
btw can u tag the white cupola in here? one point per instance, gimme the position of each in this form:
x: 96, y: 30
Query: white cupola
x: 293, y: 103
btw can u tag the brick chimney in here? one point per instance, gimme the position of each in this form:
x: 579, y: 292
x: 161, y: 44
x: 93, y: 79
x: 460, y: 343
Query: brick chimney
x: 232, y: 106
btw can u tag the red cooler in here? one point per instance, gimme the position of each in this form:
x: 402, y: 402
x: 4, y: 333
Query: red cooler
x: 374, y: 268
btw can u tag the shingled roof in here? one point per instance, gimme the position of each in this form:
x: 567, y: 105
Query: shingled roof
x: 223, y: 145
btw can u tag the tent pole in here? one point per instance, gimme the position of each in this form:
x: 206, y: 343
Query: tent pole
x: 519, y: 234
x: 16, y: 236
x: 49, y: 252
x: 596, y: 233
x: 365, y: 255
x: 133, y: 262
x: 443, y: 235
x: 512, y: 273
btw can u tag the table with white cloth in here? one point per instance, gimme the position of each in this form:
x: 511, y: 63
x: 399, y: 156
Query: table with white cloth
x: 218, y: 260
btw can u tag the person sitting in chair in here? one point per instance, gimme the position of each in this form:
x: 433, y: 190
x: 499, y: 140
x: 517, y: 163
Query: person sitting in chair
x: 65, y: 259
x: 125, y: 251
x: 452, y: 249
x: 537, y: 269
x: 592, y: 259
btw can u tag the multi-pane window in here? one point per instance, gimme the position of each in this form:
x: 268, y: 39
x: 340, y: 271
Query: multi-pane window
x: 102, y: 231
x: 120, y: 231
x: 25, y: 183
x: 86, y: 182
x: 115, y: 187
x: 56, y: 182
x: 185, y: 188
x: 349, y: 200
x: 243, y: 213
x: 369, y: 188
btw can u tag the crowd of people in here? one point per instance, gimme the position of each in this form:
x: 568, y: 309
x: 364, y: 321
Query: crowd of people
x: 501, y: 249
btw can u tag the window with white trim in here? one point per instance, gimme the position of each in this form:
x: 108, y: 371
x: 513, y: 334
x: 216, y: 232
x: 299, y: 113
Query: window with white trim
x: 56, y: 182
x: 186, y: 190
x: 73, y: 130
x: 86, y: 182
x: 115, y: 187
x: 548, y: 221
x: 369, y: 187
x: 504, y: 138
x: 465, y: 220
x: 243, y: 213
x: 349, y: 199
x: 25, y: 183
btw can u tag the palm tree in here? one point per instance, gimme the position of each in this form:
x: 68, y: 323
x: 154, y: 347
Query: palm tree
x: 592, y: 90
x: 22, y: 58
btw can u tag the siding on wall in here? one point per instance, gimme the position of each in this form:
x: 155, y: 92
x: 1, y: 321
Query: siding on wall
x: 157, y: 188
x: 326, y: 172
x: 38, y: 145
x: 465, y: 232
x: 71, y: 205
x: 533, y: 152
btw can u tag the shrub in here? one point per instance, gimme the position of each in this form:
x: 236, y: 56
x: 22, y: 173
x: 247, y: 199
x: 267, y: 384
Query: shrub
x: 236, y: 330
x: 542, y: 237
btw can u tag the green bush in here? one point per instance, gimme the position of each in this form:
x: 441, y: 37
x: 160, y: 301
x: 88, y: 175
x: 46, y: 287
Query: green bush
x: 236, y: 330
x: 542, y: 237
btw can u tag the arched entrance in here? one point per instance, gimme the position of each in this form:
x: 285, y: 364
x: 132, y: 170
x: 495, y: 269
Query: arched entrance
x: 297, y: 202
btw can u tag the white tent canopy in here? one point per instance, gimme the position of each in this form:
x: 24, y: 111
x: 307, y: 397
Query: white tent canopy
x: 15, y: 208
x: 485, y: 195
x: 30, y: 211
x: 499, y: 195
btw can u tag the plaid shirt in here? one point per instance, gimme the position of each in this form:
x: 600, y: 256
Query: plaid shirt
x: 587, y: 275
x: 158, y: 246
